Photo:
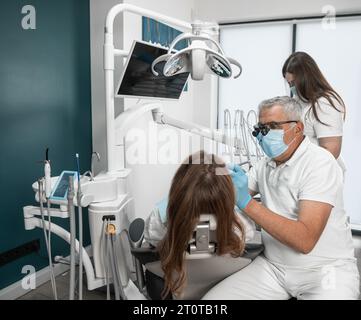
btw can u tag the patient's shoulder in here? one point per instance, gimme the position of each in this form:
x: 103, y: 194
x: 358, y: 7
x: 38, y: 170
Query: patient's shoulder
x: 154, y: 230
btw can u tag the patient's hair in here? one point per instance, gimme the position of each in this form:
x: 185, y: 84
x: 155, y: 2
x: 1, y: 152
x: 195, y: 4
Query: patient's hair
x: 201, y: 185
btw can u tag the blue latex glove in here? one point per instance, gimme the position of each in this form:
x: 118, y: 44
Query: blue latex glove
x: 162, y: 207
x: 240, y: 182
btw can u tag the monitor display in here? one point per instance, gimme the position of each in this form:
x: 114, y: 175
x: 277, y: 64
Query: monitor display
x: 138, y: 80
x: 60, y: 191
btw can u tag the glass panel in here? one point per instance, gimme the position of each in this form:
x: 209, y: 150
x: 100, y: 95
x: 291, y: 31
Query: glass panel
x: 261, y: 50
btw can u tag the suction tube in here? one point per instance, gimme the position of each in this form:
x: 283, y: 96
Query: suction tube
x: 72, y: 238
x: 80, y: 214
x: 47, y: 237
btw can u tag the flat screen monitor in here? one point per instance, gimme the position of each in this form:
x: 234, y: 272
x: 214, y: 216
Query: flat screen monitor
x: 138, y: 81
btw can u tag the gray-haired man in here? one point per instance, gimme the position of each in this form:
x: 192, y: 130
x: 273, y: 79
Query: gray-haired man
x: 308, y: 244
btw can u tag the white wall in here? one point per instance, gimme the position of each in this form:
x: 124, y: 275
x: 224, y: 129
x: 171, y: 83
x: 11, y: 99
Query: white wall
x: 243, y: 10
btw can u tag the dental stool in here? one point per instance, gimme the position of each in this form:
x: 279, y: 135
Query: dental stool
x: 204, y: 268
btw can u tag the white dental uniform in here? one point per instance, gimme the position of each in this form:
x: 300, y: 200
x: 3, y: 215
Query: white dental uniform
x: 328, y: 115
x: 329, y: 271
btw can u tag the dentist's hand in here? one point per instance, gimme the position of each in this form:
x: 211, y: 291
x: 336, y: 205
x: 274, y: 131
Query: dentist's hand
x: 240, y: 182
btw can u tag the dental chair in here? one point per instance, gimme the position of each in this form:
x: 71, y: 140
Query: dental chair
x: 204, y: 267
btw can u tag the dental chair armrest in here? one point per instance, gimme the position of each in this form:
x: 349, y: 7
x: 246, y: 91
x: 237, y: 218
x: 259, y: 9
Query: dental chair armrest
x: 145, y: 255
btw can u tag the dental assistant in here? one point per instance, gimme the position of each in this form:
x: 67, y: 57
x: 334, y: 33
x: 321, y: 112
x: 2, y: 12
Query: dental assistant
x: 308, y: 243
x: 323, y: 109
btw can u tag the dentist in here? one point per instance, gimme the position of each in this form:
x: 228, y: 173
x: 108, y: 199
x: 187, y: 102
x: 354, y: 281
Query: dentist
x: 308, y: 243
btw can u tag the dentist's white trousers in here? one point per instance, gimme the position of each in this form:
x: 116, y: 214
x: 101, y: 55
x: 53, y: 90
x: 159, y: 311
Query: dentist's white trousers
x: 262, y: 280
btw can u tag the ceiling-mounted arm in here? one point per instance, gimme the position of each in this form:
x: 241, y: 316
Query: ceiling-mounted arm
x: 191, y: 36
x: 113, y: 12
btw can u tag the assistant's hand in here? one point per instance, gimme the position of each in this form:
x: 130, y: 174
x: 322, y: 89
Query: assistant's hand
x: 240, y: 182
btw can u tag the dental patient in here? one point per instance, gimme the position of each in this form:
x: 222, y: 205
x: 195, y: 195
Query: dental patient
x: 201, y: 185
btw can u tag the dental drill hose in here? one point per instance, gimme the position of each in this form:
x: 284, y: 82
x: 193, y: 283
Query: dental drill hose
x: 117, y: 271
x: 47, y: 175
x: 80, y: 213
x: 47, y: 241
x: 104, y: 247
x: 72, y: 237
x: 112, y: 266
x: 103, y: 240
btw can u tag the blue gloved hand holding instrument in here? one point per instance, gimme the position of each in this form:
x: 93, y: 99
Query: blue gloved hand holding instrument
x: 240, y: 182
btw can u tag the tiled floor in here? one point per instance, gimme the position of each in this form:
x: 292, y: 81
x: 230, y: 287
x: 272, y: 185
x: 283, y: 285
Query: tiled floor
x: 45, y: 292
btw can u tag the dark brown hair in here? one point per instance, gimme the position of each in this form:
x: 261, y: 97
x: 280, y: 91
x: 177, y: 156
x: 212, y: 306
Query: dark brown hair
x: 310, y: 83
x: 201, y: 185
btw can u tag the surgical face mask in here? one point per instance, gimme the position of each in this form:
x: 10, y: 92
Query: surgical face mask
x: 272, y: 143
x: 293, y: 91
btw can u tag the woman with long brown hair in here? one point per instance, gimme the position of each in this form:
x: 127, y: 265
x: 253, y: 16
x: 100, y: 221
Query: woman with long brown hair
x: 201, y: 185
x: 323, y: 108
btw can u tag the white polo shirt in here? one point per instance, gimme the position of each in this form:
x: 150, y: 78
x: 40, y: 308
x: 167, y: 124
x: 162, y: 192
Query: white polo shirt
x: 311, y: 173
x: 332, y: 119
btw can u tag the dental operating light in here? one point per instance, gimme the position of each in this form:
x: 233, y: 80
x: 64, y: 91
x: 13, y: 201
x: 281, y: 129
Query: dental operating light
x: 203, y: 55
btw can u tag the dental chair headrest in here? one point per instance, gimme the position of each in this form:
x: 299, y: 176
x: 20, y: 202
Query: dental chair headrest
x: 209, y: 218
x: 203, y: 242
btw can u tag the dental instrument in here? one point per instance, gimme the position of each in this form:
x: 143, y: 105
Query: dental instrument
x: 258, y: 151
x: 47, y: 174
x: 237, y: 142
x: 242, y: 124
x: 47, y: 177
x: 70, y: 197
x: 244, y: 145
x: 46, y: 237
x: 228, y: 133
